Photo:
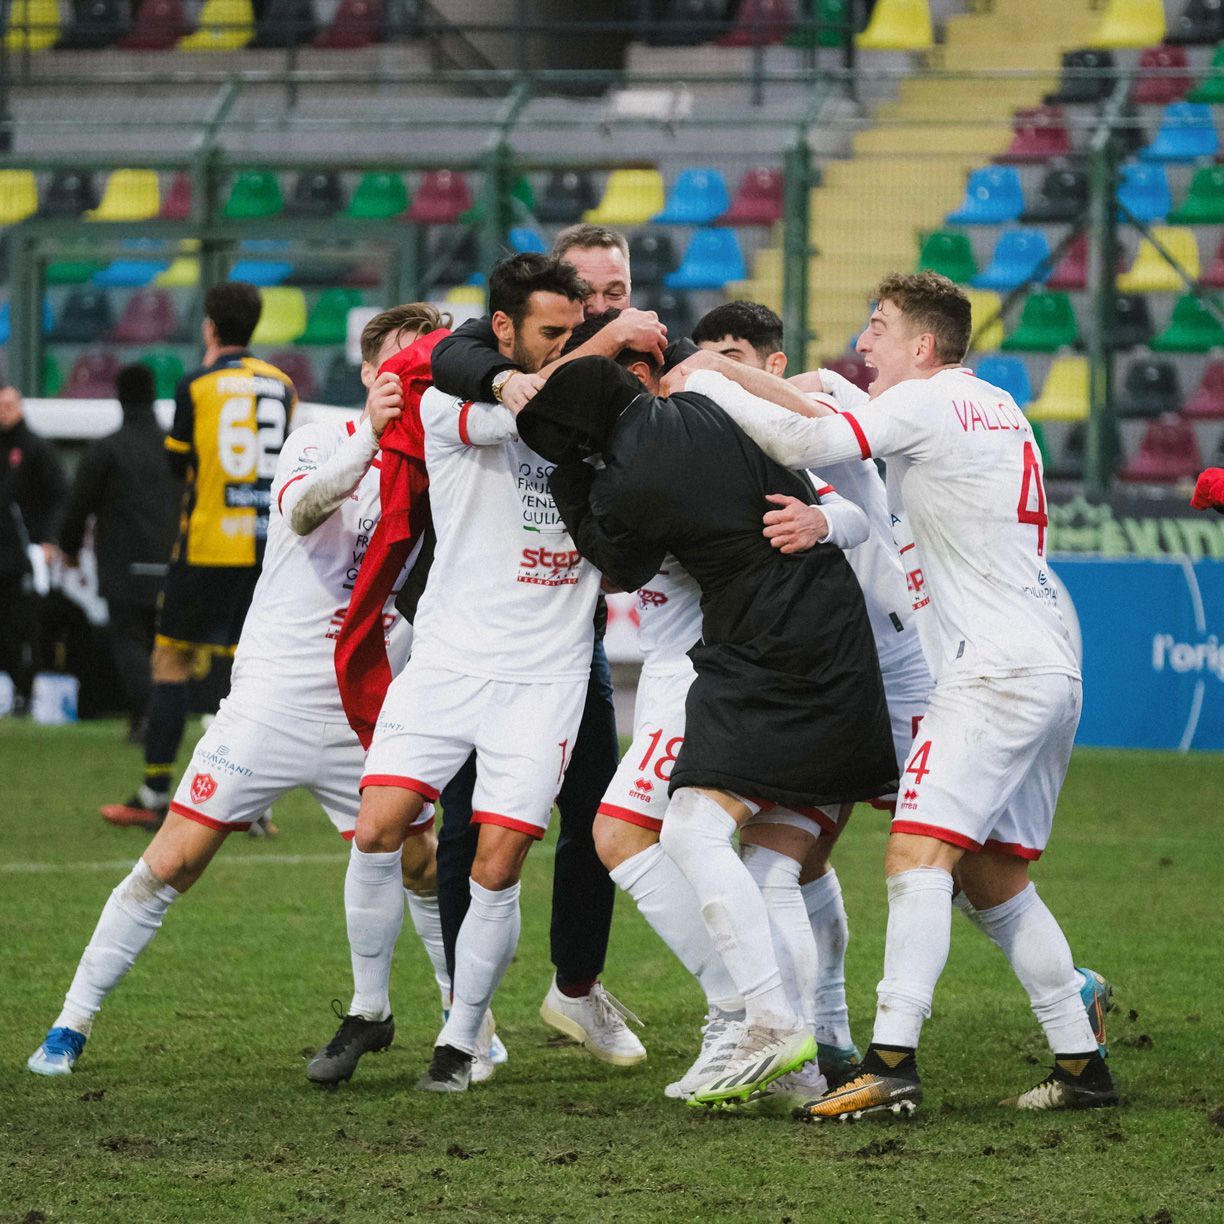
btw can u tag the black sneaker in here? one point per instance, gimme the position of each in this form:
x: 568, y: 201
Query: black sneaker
x: 1078, y: 1081
x: 449, y: 1071
x: 356, y: 1036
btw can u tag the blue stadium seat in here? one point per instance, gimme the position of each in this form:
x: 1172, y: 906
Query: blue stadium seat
x: 993, y: 196
x: 1009, y: 373
x: 1187, y: 132
x: 129, y: 273
x: 261, y: 271
x: 697, y: 197
x: 1016, y: 259
x: 6, y: 322
x: 713, y: 258
x: 524, y: 238
x: 1145, y: 191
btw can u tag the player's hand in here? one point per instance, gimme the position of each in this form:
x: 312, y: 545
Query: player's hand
x: 808, y: 381
x: 385, y: 401
x: 639, y: 330
x: 795, y: 526
x: 520, y: 389
x: 703, y: 359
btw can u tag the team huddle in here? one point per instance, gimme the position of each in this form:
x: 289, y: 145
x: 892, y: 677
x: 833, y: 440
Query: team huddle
x: 426, y: 629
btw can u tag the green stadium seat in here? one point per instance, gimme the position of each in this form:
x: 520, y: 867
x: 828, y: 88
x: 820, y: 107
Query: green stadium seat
x: 1046, y: 325
x: 1204, y: 202
x: 949, y: 253
x: 1211, y: 88
x: 1192, y: 329
x: 328, y: 322
x: 255, y: 193
x: 520, y: 203
x: 378, y: 196
x: 827, y: 28
x: 167, y: 367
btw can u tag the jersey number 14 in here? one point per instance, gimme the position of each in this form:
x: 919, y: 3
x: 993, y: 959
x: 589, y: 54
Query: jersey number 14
x: 1030, y: 484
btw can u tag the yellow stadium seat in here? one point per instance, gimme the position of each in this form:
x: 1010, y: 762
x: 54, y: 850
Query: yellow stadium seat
x: 183, y: 272
x: 985, y: 306
x: 18, y: 195
x: 225, y: 25
x: 283, y: 318
x: 1065, y: 396
x: 130, y: 195
x: 466, y: 295
x: 631, y: 197
x: 34, y: 25
x: 1130, y: 23
x: 898, y: 25
x: 1150, y: 274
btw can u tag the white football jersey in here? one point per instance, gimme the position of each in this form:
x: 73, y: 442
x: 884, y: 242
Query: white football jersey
x: 669, y: 619
x: 509, y: 595
x: 285, y: 659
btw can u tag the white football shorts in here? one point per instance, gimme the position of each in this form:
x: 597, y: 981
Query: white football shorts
x: 989, y: 761
x: 242, y: 765
x: 523, y: 735
x: 907, y: 689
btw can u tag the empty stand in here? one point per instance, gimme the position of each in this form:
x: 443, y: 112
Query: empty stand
x: 356, y: 23
x: 1149, y: 388
x: 630, y: 197
x: 1192, y: 328
x: 343, y: 386
x: 1162, y: 77
x: 1204, y: 202
x: 93, y: 376
x: 758, y: 198
x: 283, y: 318
x: 713, y: 257
x: 651, y: 256
x: 1131, y: 326
x: 1144, y: 191
x: 1062, y: 196
x: 1152, y: 273
x: 1064, y: 396
x: 129, y: 195
x: 1047, y: 324
x: 697, y: 197
x: 950, y: 254
x: 298, y: 366
x: 1168, y: 453
x: 94, y: 24
x: 440, y: 200
x: 225, y: 25
x: 1022, y: 255
x: 1199, y: 22
x: 993, y: 196
x: 285, y: 23
x: 1130, y: 23
x: 328, y: 323
x: 1213, y: 278
x: 758, y: 23
x: 1085, y: 78
x: 852, y: 366
x: 176, y: 203
x: 379, y: 195
x: 33, y: 25
x: 566, y: 196
x: 158, y: 26
x: 255, y: 193
x: 1207, y: 401
x: 316, y: 193
x: 84, y: 318
x: 167, y: 367
x: 1071, y: 271
x: 1039, y: 133
x: 18, y: 196
x: 68, y: 195
x: 1210, y: 89
x: 898, y: 25
x: 148, y: 318
x: 1009, y: 373
x: 1187, y: 132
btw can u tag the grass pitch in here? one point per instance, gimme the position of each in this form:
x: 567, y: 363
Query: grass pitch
x: 190, y: 1102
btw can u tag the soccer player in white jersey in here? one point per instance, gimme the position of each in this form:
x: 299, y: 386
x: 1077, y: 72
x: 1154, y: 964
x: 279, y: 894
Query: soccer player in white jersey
x: 282, y: 725
x: 979, y: 789
x: 501, y: 656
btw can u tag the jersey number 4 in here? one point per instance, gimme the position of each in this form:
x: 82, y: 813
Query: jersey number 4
x: 1025, y: 512
x: 247, y: 447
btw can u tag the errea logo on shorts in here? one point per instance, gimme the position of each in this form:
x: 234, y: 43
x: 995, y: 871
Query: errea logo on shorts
x: 549, y: 567
x: 1185, y: 657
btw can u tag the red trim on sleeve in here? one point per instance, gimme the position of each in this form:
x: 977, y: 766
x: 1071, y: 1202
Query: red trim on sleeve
x: 943, y: 835
x: 826, y: 489
x: 508, y: 822
x: 464, y: 409
x: 629, y: 816
x: 859, y: 435
x: 421, y: 788
x: 905, y: 548
x: 348, y: 834
x: 222, y: 826
x: 1024, y: 852
x: 281, y: 495
x: 352, y: 429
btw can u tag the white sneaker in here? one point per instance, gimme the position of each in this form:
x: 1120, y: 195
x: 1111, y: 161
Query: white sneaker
x: 719, y: 1035
x: 597, y: 1020
x: 761, y: 1056
x: 788, y: 1092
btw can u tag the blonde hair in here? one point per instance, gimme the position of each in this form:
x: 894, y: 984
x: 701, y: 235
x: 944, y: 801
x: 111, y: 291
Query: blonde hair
x: 932, y: 303
x: 415, y: 317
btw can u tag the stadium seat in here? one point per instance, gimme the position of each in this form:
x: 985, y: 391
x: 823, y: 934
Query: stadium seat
x: 158, y: 26
x: 1132, y: 322
x: 1068, y: 462
x: 518, y: 203
x: 94, y: 24
x: 758, y: 199
x: 167, y: 367
x: 1071, y: 271
x: 1192, y: 328
x: 84, y: 317
x: 300, y: 370
x: 1149, y: 388
x: 1213, y: 278
x: 1021, y: 255
x: 993, y: 196
x: 316, y: 193
x: 329, y: 319
x: 261, y: 272
x: 1038, y: 134
x: 357, y: 23
x: 758, y: 23
x: 176, y: 203
x: 1144, y: 191
x: 255, y: 193
x: 6, y: 322
x: 129, y: 195
x: 1131, y: 23
x: 52, y: 375
x: 1008, y: 373
x: 93, y: 376
x: 713, y: 258
x: 1169, y: 452
x: 685, y: 23
x: 1065, y: 395
x: 828, y: 18
x: 1207, y: 402
x: 1187, y: 132
x: 898, y: 25
x: 1084, y: 79
x: 1062, y: 196
x: 651, y: 256
x: 1204, y: 202
x: 674, y: 309
x: 441, y: 198
x: 378, y: 196
x: 567, y: 195
x: 129, y: 273
x: 224, y: 25
x: 148, y: 318
x: 697, y: 197
x: 33, y: 25
x: 948, y: 253
x: 1158, y: 82
x: 453, y: 257
x: 986, y: 310
x: 1150, y: 273
x: 283, y: 318
x: 1210, y: 89
x: 526, y: 238
x: 343, y: 386
x: 183, y: 272
x: 18, y: 196
x: 1201, y: 22
x: 74, y: 271
x: 1046, y: 325
x: 466, y: 295
x: 68, y: 195
x: 631, y: 197
x: 853, y: 367
x: 285, y: 23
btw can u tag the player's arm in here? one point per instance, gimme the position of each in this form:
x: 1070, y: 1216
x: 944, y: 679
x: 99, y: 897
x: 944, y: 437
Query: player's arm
x: 621, y: 555
x: 465, y: 362
x: 180, y: 441
x: 846, y: 395
x: 759, y: 383
x: 795, y: 525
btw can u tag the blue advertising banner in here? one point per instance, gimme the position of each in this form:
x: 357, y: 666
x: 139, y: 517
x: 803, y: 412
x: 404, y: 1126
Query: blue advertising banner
x: 1153, y: 659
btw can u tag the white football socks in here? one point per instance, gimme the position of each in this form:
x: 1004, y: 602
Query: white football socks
x: 483, y: 952
x: 129, y: 920
x: 697, y: 838
x: 667, y: 901
x: 427, y: 922
x: 777, y: 876
x: 915, y: 952
x: 374, y: 909
x: 827, y: 915
x: 1037, y: 950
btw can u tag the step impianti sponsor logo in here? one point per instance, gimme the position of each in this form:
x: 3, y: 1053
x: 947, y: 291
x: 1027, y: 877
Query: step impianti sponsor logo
x: 1188, y: 657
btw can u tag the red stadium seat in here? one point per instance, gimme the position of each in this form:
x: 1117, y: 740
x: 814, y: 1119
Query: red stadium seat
x: 93, y: 376
x: 758, y: 199
x: 1039, y: 133
x: 158, y: 26
x: 176, y: 203
x: 1164, y: 84
x: 1071, y: 271
x: 1214, y: 275
x: 759, y: 23
x: 1207, y: 402
x: 297, y: 365
x: 148, y: 318
x: 1169, y: 452
x: 852, y: 366
x: 442, y: 196
x: 357, y: 23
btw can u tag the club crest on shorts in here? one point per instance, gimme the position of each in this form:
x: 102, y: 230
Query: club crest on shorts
x: 203, y: 788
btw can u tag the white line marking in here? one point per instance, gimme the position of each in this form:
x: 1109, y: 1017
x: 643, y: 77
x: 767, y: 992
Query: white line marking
x: 1196, y: 709
x: 245, y: 860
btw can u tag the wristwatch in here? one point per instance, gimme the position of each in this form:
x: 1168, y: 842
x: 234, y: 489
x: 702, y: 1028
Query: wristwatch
x: 500, y: 379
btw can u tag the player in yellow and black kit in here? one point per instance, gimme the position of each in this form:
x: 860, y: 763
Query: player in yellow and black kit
x: 231, y: 417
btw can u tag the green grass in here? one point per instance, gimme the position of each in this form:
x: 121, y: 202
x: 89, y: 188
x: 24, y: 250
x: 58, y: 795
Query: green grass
x: 190, y: 1101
